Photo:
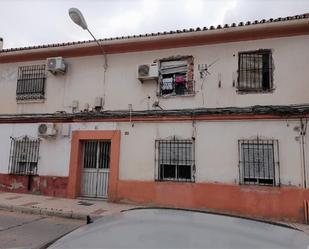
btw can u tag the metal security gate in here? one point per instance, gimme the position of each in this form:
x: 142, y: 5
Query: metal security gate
x: 96, y: 157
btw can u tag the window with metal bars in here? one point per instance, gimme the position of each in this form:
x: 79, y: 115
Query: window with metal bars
x: 175, y: 160
x: 259, y: 162
x: 255, y: 71
x: 24, y: 156
x: 31, y: 82
x: 176, y: 76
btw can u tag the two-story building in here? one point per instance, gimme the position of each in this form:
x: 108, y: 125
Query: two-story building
x: 211, y: 118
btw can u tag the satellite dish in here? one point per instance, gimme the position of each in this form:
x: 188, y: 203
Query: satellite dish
x: 78, y: 17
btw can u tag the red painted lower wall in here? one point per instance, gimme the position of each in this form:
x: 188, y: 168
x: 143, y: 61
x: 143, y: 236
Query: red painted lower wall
x: 280, y: 203
x: 46, y: 185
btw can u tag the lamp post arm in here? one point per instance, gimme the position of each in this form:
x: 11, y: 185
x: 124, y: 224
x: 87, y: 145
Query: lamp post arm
x: 102, y: 49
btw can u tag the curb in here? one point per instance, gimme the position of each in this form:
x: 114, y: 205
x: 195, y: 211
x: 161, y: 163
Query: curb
x: 43, y: 211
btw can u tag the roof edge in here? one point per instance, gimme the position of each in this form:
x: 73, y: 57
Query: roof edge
x: 242, y: 32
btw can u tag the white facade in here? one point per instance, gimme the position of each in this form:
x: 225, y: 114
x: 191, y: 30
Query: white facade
x: 216, y: 142
x: 54, y: 152
x: 216, y: 147
x: 84, y: 79
x: 135, y: 118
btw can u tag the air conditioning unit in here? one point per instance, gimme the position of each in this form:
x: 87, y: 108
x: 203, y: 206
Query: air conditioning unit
x: 148, y: 72
x: 56, y: 65
x: 47, y: 130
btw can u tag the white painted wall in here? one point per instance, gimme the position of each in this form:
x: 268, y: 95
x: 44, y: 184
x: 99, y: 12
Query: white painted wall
x: 84, y: 79
x: 54, y: 153
x: 216, y: 147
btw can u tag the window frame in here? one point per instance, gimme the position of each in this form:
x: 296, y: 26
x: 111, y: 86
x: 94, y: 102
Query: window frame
x: 178, y: 162
x: 24, y: 155
x: 31, y: 81
x: 189, y: 90
x: 260, y: 173
x: 244, y: 86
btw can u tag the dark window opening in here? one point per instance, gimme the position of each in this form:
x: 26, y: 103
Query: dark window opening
x: 175, y: 160
x: 259, y: 162
x: 176, y: 76
x: 184, y: 172
x: 31, y: 82
x: 255, y: 71
x: 167, y: 171
x: 24, y: 156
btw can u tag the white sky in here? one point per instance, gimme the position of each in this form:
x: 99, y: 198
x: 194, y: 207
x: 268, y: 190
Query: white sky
x: 34, y: 22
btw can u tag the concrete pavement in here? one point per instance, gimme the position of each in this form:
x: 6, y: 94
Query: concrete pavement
x: 61, y: 207
x: 18, y: 230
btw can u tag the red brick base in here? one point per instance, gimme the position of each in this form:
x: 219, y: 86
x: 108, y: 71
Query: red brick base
x: 45, y: 185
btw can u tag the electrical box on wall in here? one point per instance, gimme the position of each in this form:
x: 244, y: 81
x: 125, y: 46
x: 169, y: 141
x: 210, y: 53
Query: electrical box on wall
x: 75, y: 104
x: 98, y: 103
x: 65, y: 130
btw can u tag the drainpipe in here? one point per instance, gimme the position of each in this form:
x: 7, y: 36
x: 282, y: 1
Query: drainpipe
x: 303, y: 129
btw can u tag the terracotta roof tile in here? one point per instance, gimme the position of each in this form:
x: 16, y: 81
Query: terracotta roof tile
x: 198, y: 29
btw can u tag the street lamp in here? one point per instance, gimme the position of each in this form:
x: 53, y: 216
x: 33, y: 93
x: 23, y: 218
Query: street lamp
x: 78, y: 18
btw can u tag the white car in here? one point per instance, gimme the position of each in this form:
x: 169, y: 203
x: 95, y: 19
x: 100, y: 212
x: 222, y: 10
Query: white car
x: 170, y: 228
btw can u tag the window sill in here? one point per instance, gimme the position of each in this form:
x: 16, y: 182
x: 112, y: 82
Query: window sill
x: 176, y: 95
x: 29, y: 101
x: 260, y: 188
x: 253, y: 185
x: 174, y: 181
x: 22, y: 174
x: 238, y: 91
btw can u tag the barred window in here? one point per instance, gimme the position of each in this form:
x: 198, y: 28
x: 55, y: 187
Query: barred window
x: 175, y: 160
x: 31, y: 82
x: 24, y: 155
x: 259, y: 162
x: 255, y: 70
x: 176, y: 76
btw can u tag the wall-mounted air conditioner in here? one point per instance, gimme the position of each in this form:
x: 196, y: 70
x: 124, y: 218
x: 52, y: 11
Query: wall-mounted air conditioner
x: 56, y: 65
x: 47, y: 130
x: 148, y: 72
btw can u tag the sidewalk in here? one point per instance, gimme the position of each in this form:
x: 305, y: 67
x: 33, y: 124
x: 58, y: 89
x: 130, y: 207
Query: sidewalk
x: 62, y: 207
x: 77, y: 208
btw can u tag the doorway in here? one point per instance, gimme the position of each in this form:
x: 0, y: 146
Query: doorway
x: 95, y: 168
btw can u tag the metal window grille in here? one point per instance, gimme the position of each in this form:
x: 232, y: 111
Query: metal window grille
x: 175, y: 160
x: 259, y: 162
x: 255, y: 71
x: 31, y: 82
x: 24, y: 156
x: 176, y: 76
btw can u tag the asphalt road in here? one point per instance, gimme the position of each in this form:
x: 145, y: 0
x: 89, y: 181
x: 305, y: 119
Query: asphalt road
x: 18, y: 230
x: 163, y: 228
